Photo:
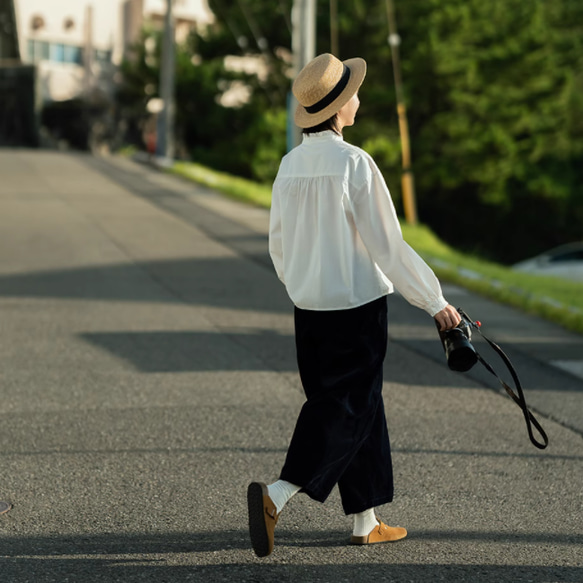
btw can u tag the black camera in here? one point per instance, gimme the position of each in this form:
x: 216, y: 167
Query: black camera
x: 461, y: 356
x: 459, y: 351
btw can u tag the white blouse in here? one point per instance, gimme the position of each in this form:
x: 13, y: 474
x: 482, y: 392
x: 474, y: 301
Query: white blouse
x: 334, y: 236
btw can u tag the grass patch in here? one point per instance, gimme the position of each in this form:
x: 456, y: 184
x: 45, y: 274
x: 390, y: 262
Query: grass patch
x: 555, y: 299
x: 127, y: 151
x: 239, y: 188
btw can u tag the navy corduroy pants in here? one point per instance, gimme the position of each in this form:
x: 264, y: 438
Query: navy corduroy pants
x: 341, y: 434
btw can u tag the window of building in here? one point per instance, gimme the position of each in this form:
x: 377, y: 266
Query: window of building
x: 73, y: 54
x: 38, y: 50
x: 57, y: 53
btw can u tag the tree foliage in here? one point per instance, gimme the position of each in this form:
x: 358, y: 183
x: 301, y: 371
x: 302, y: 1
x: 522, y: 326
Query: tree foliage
x: 494, y: 92
x: 501, y: 143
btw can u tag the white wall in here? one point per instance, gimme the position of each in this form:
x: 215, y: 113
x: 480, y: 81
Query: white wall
x: 64, y: 80
x: 54, y: 12
x: 190, y: 9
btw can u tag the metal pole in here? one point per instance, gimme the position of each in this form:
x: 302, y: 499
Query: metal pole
x: 88, y: 52
x: 304, y: 50
x: 165, y: 137
x: 407, y: 180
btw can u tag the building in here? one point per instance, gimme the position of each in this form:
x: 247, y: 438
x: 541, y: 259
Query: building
x: 66, y: 54
x: 76, y: 45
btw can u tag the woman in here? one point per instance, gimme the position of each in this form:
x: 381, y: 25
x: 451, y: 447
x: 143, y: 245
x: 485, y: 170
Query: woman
x: 336, y: 244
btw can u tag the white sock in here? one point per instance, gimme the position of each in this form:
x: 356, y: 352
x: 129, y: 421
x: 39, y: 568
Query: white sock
x: 364, y: 522
x: 280, y: 492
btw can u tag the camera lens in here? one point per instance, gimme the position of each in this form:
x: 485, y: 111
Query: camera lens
x: 462, y: 358
x: 459, y: 351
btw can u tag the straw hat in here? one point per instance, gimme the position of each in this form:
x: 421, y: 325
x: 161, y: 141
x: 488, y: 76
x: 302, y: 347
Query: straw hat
x: 324, y: 86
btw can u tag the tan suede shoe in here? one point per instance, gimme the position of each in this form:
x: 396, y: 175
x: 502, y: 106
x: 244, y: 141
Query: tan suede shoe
x: 262, y: 518
x: 380, y: 534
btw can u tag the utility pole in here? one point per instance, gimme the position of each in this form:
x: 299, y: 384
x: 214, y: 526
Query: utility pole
x: 88, y: 52
x: 165, y: 130
x: 89, y: 82
x: 334, y: 49
x: 407, y: 181
x: 304, y: 50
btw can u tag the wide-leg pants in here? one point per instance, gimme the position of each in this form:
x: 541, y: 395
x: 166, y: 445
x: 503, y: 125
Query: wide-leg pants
x: 341, y: 433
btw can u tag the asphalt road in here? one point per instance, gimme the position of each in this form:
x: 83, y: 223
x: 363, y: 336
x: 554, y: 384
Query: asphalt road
x: 147, y: 374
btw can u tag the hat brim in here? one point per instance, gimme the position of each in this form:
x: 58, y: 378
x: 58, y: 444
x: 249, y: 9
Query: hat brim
x: 357, y: 67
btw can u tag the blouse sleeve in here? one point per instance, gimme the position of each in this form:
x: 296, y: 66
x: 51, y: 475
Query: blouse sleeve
x: 379, y: 228
x: 275, y: 245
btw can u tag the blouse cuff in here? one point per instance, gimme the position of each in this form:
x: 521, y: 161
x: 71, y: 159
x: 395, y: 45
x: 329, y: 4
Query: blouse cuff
x: 436, y: 306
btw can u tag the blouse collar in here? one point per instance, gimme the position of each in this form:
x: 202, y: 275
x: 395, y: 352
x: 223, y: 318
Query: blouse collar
x: 325, y: 135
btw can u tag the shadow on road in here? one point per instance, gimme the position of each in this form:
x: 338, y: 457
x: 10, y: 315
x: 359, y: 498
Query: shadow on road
x: 185, y: 557
x: 219, y: 282
x: 155, y: 352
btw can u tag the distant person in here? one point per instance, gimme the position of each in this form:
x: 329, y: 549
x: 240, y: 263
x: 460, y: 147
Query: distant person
x: 149, y: 136
x: 336, y: 244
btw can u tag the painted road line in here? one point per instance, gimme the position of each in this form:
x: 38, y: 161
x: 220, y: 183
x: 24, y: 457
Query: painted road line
x: 575, y: 367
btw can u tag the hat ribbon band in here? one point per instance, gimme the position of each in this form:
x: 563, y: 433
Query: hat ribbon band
x: 330, y: 97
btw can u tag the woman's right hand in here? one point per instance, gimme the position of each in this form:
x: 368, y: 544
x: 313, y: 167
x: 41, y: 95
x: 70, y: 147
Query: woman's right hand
x: 448, y: 318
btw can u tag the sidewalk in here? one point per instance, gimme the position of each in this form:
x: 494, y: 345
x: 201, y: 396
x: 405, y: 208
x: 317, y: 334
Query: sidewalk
x: 148, y: 374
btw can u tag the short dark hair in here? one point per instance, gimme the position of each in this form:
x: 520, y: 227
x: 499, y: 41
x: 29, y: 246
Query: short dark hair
x: 330, y: 124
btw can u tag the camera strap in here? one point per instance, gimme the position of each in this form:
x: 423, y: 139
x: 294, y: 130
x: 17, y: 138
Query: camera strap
x: 518, y: 396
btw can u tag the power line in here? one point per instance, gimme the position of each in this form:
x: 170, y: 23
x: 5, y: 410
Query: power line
x: 286, y: 12
x: 334, y: 48
x: 260, y: 40
x: 240, y: 39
